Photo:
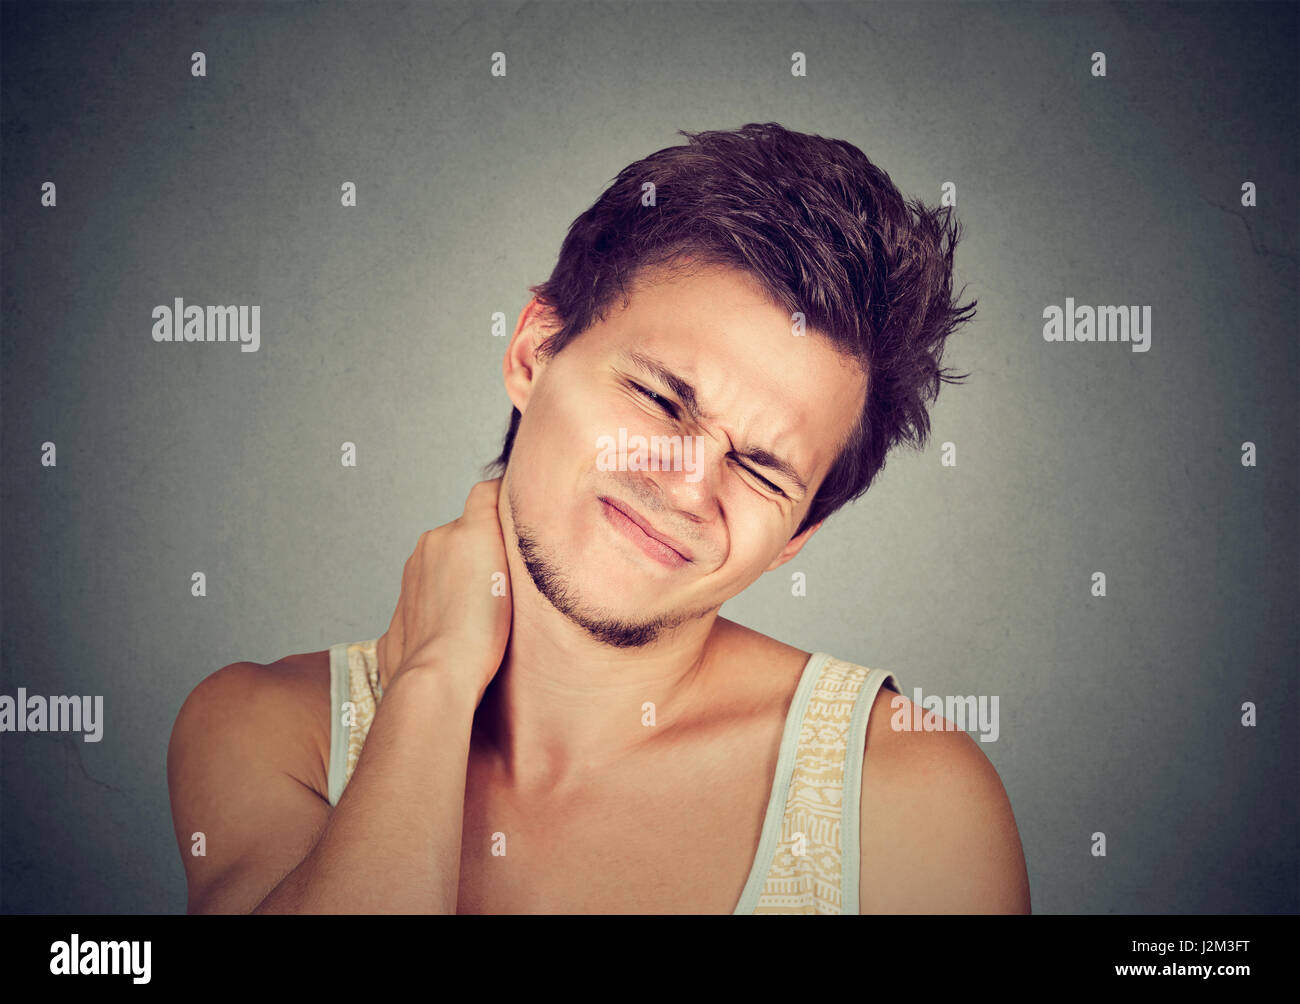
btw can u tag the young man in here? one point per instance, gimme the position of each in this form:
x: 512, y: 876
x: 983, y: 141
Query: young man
x: 557, y: 720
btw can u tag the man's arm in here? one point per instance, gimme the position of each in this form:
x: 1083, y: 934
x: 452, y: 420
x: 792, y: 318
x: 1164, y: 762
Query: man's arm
x: 233, y: 794
x: 938, y: 834
x: 393, y: 842
x: 391, y: 845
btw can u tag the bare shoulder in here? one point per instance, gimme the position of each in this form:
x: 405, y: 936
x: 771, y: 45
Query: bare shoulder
x: 299, y: 685
x: 247, y: 778
x: 937, y: 831
x: 751, y: 647
x: 280, y: 708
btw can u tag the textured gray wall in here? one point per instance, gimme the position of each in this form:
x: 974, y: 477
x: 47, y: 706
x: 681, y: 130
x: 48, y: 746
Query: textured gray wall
x: 1118, y: 714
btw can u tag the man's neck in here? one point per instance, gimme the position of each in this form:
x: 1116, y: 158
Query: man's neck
x: 563, y: 706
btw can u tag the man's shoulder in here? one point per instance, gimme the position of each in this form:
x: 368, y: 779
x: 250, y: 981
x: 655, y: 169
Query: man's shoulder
x: 917, y: 738
x: 277, y: 710
x: 937, y: 831
x: 745, y: 645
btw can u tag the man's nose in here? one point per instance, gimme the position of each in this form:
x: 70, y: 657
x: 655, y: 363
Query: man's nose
x: 689, y: 473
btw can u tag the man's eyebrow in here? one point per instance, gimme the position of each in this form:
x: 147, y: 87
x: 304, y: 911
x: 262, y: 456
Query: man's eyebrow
x: 686, y: 393
x: 765, y: 458
x: 675, y: 383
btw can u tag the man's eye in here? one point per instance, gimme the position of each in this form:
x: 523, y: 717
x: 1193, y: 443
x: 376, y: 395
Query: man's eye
x: 758, y: 477
x: 667, y: 406
x: 663, y: 402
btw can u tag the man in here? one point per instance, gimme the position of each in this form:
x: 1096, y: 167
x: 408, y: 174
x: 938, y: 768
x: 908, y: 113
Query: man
x: 561, y: 722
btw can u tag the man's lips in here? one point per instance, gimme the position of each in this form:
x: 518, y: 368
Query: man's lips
x: 645, y: 526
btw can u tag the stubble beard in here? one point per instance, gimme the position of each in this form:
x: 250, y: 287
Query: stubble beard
x: 552, y: 582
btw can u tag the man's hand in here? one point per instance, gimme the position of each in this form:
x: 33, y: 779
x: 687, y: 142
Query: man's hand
x: 454, y: 610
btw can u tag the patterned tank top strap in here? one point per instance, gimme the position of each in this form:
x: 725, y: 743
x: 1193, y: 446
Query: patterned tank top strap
x: 810, y: 870
x: 354, y: 694
x: 363, y: 675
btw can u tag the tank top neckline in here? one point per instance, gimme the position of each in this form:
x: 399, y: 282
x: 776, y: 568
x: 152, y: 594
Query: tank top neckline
x: 778, y: 794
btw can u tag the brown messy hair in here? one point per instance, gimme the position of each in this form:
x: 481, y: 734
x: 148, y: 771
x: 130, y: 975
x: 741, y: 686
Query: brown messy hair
x: 822, y: 230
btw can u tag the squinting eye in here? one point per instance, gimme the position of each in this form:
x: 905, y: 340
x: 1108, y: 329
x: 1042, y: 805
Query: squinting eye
x: 766, y: 484
x: 668, y: 407
x: 661, y: 401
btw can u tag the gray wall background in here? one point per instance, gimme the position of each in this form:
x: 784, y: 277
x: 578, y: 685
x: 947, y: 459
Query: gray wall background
x: 1118, y: 714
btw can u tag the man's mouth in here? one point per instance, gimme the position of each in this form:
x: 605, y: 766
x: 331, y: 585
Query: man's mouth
x: 657, y: 545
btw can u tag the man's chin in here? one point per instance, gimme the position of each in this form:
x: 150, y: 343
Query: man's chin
x: 630, y: 621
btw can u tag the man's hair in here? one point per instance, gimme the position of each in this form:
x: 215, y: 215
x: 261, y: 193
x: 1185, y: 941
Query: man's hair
x: 822, y: 230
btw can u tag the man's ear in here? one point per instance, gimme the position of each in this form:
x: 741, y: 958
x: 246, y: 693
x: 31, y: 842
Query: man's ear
x: 522, y: 364
x: 793, y: 548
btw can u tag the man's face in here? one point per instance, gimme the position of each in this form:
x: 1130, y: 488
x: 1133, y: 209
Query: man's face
x: 572, y: 489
